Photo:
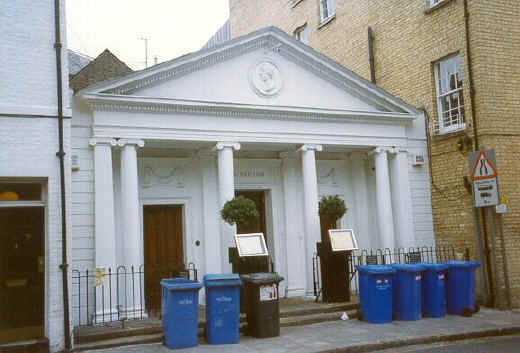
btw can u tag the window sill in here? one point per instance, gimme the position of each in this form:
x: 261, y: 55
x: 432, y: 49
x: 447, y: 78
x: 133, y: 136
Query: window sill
x: 430, y: 9
x: 450, y: 132
x: 295, y: 3
x: 327, y: 21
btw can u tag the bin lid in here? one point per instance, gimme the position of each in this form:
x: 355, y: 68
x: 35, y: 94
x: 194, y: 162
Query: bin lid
x: 262, y: 278
x: 224, y: 279
x: 180, y: 284
x: 376, y: 269
x: 409, y: 267
x: 465, y: 264
x: 433, y: 267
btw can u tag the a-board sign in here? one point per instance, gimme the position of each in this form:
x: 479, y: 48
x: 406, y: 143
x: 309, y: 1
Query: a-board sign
x: 484, y: 175
x: 371, y: 260
x: 251, y: 244
x: 414, y: 257
x: 342, y: 239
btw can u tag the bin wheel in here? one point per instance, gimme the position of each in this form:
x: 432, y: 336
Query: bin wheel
x: 359, y: 315
x: 467, y: 312
x: 477, y: 309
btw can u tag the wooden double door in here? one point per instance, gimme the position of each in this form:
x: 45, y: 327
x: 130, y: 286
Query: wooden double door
x: 163, y: 250
x: 22, y: 273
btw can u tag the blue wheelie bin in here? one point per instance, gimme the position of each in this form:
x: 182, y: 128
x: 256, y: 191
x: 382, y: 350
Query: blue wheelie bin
x: 375, y: 291
x: 180, y: 299
x: 222, y: 308
x: 461, y: 287
x: 434, y: 290
x: 408, y: 291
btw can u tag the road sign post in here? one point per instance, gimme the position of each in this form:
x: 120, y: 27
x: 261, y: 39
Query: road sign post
x: 484, y: 175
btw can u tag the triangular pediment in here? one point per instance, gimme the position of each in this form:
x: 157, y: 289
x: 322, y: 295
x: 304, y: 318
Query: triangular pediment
x: 264, y: 68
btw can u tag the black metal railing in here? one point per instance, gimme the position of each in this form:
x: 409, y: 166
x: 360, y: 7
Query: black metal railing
x: 438, y: 254
x: 101, y: 296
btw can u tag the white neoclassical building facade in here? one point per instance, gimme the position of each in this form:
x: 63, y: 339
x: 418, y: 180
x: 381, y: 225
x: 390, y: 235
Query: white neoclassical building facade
x: 161, y: 150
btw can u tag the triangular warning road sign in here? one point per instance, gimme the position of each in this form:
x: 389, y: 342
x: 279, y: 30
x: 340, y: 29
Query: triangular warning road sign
x: 483, y: 168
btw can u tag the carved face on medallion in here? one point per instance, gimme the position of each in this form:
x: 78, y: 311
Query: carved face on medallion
x: 265, y: 78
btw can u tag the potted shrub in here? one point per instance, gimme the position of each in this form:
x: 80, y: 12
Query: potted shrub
x: 331, y: 208
x: 242, y: 211
x: 239, y: 211
x: 334, y: 273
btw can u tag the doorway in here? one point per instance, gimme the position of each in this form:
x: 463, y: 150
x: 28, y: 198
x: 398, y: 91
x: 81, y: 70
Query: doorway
x: 257, y: 225
x: 163, y: 250
x: 22, y: 273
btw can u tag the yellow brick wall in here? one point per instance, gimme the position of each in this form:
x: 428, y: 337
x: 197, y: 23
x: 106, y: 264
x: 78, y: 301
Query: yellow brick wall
x: 407, y: 43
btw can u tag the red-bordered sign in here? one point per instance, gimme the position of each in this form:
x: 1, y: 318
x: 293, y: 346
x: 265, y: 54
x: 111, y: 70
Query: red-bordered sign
x: 483, y: 168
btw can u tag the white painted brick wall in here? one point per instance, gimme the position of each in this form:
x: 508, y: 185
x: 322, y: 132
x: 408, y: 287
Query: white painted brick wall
x: 29, y: 145
x: 27, y: 56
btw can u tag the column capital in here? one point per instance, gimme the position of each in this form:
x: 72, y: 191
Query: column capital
x: 311, y: 147
x: 396, y: 150
x: 102, y: 141
x: 135, y: 142
x: 222, y: 145
x: 379, y: 150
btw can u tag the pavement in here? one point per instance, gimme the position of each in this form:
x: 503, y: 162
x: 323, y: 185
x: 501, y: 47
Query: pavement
x: 357, y: 336
x: 502, y: 344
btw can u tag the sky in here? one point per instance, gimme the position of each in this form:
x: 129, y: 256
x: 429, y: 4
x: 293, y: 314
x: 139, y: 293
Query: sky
x: 172, y: 27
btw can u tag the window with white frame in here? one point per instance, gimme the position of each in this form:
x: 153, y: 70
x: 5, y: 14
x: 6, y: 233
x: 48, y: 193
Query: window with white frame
x: 302, y: 34
x: 326, y: 9
x: 450, y: 98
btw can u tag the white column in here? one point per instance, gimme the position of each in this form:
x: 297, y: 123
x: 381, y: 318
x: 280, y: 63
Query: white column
x: 130, y: 201
x: 360, y: 207
x: 295, y: 255
x: 310, y: 206
x: 384, y: 199
x: 104, y: 222
x: 104, y: 225
x: 402, y: 198
x: 226, y: 188
x: 210, y: 212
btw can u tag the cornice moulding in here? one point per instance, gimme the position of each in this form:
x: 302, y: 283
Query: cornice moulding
x: 114, y: 103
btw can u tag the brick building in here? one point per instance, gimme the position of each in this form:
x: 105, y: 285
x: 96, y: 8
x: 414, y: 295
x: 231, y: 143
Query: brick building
x: 456, y: 59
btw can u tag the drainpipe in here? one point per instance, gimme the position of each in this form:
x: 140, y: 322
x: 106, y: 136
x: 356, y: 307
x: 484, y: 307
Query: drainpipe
x: 477, y: 144
x: 371, y: 58
x: 61, y: 155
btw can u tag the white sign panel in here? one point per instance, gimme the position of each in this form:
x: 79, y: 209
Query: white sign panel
x: 252, y: 244
x: 342, y: 239
x: 268, y: 293
x: 484, y: 174
x: 485, y: 192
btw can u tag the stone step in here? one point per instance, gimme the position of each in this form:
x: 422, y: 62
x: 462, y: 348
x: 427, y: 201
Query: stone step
x: 134, y: 337
x: 119, y: 342
x: 322, y: 308
x: 140, y: 328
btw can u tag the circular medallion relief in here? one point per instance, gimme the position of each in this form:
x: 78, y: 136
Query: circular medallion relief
x: 265, y: 78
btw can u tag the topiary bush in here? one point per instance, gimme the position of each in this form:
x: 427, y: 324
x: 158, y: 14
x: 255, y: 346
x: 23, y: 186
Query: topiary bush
x: 332, y: 207
x: 239, y: 211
